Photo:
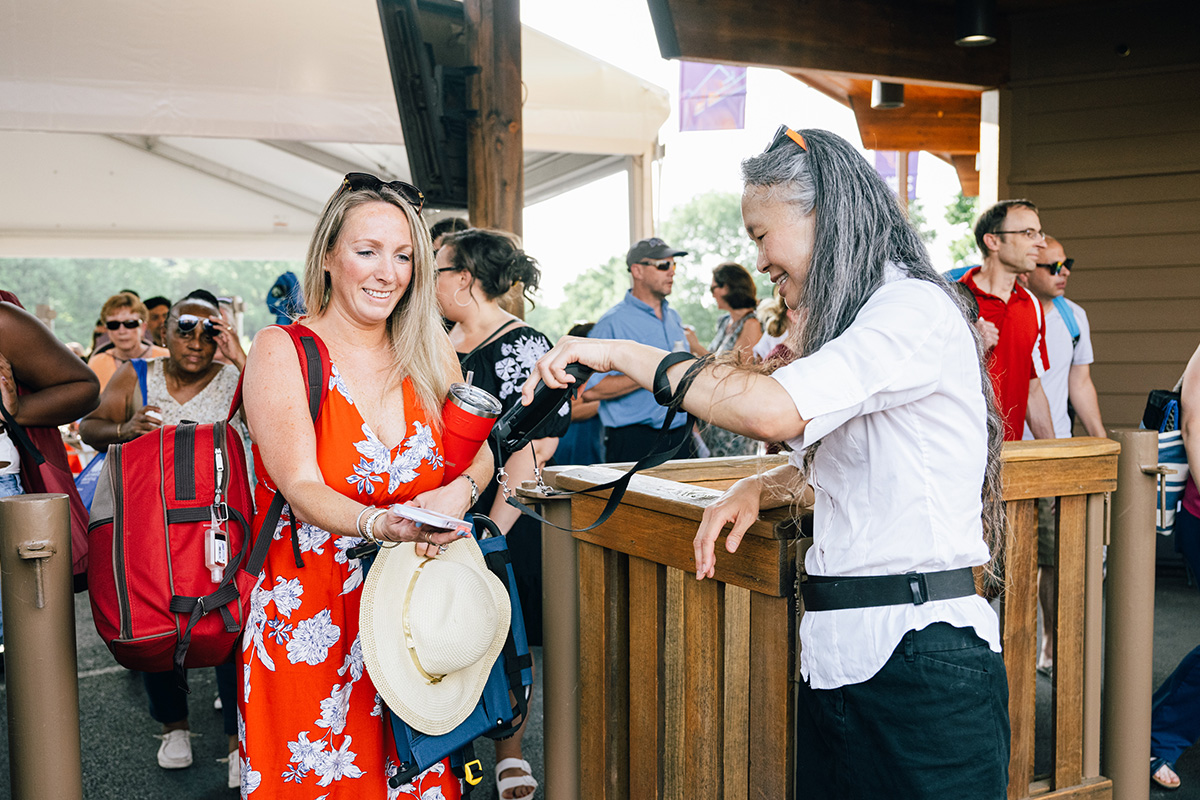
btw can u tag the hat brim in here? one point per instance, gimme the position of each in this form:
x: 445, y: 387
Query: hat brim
x: 438, y: 708
x: 657, y: 252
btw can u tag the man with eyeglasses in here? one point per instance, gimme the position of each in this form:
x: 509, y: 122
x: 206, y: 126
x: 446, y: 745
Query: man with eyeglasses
x: 1068, y: 385
x: 630, y: 415
x: 1010, y: 238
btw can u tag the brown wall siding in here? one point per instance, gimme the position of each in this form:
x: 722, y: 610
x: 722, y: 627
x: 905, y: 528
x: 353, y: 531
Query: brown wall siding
x: 1112, y: 159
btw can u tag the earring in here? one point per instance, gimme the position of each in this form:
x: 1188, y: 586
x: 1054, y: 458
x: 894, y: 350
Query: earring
x: 456, y: 300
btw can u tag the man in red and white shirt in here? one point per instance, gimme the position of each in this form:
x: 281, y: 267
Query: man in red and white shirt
x: 1010, y: 238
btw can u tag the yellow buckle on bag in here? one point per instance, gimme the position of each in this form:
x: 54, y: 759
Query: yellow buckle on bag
x: 473, y: 777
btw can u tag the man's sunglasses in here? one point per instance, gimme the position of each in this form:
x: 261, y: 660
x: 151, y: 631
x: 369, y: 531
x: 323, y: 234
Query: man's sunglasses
x: 188, y: 322
x: 1059, y: 266
x: 783, y: 133
x: 117, y: 324
x: 661, y: 266
x: 355, y: 181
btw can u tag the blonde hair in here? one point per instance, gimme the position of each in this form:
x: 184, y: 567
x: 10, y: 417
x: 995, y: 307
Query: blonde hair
x: 418, y: 353
x: 123, y: 300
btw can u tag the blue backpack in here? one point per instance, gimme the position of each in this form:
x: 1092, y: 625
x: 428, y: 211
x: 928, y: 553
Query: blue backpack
x: 495, y: 715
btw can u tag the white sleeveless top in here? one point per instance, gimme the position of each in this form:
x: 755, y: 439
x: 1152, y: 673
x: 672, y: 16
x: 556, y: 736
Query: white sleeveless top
x: 211, y: 404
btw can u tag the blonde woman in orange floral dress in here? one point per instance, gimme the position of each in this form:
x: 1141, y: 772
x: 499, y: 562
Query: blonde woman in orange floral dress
x: 310, y: 720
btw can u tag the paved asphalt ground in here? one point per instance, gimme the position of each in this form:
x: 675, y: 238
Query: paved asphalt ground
x: 119, y: 745
x: 118, y: 741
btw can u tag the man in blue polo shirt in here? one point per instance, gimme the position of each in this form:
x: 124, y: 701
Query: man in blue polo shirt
x: 630, y: 416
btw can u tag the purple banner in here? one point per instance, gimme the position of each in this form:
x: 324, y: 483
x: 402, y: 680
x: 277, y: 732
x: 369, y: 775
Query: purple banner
x: 885, y: 165
x: 712, y: 97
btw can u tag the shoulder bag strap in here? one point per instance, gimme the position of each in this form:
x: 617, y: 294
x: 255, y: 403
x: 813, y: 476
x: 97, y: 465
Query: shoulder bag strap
x: 490, y: 338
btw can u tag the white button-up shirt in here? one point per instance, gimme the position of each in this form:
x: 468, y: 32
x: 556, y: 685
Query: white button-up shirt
x: 897, y: 402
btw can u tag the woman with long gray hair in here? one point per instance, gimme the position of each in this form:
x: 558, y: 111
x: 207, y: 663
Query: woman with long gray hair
x: 889, y: 415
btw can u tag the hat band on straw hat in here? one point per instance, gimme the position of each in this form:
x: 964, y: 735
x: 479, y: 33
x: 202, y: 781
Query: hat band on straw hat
x: 408, y: 637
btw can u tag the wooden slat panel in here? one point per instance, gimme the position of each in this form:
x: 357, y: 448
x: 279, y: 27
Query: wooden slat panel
x: 603, y: 673
x: 1140, y: 219
x: 736, y: 750
x: 1106, y: 93
x: 675, y: 763
x: 647, y: 617
x: 1173, y: 347
x: 1155, y: 281
x: 1090, y: 789
x: 763, y: 565
x: 1143, y: 376
x: 1068, y: 641
x: 1116, y: 192
x: 1091, y: 247
x: 772, y: 698
x: 1020, y: 640
x: 1141, y: 315
x: 704, y: 693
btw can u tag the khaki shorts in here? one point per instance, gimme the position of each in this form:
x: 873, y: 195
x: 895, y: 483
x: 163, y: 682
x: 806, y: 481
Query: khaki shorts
x: 1047, y: 532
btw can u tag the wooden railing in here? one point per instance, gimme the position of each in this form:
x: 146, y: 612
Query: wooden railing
x: 684, y: 688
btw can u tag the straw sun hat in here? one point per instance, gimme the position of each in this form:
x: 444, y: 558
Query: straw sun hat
x: 431, y: 629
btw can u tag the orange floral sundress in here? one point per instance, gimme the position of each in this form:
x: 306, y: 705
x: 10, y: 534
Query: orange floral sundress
x: 310, y: 722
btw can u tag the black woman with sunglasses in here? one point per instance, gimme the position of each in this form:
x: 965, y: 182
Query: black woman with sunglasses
x: 187, y: 384
x: 886, y: 408
x: 124, y: 318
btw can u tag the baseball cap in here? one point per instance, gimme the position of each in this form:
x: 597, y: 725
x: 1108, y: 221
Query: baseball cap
x: 652, y: 248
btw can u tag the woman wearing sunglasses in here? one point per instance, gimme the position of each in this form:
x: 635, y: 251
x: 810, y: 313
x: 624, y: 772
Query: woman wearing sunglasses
x: 311, y: 713
x: 888, y: 412
x: 185, y: 385
x: 124, y: 319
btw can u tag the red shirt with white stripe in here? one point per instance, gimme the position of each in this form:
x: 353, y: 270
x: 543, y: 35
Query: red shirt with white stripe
x: 1013, y: 362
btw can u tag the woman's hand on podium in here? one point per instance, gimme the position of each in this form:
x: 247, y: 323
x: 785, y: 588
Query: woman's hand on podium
x: 739, y: 506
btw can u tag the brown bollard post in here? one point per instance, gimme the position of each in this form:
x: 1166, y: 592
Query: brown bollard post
x: 39, y: 637
x: 1129, y: 618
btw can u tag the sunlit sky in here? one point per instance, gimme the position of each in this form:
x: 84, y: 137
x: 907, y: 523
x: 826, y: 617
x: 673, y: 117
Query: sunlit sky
x: 585, y: 227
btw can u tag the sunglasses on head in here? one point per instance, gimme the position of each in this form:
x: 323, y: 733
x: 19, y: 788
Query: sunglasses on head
x: 188, y: 322
x: 783, y: 134
x: 1059, y: 266
x: 355, y: 181
x: 117, y: 324
x: 662, y: 266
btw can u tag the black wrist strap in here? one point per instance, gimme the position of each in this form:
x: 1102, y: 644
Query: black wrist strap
x: 653, y: 459
x: 662, y: 385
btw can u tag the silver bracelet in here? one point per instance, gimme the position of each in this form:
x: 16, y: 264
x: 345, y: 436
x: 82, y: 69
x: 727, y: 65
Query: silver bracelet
x: 474, y: 490
x: 358, y: 522
x: 369, y: 525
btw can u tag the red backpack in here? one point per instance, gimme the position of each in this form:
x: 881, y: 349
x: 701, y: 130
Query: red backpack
x: 154, y: 601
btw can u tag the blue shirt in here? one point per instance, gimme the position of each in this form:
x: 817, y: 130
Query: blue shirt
x: 635, y: 320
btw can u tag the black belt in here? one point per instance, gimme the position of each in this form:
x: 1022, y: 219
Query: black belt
x: 829, y: 593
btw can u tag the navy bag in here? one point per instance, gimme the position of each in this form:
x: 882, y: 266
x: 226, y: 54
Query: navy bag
x: 495, y: 715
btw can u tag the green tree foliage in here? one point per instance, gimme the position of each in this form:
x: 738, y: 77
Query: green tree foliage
x: 76, y: 288
x: 962, y: 212
x: 709, y: 227
x: 917, y: 218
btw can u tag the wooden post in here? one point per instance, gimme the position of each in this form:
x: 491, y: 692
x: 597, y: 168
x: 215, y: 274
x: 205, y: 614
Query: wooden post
x: 902, y: 178
x: 495, y: 158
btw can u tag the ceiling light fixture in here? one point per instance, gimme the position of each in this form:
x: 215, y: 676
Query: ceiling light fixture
x: 887, y: 95
x: 974, y: 23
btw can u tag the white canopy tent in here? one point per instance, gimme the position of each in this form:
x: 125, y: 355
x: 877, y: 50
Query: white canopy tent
x: 134, y: 128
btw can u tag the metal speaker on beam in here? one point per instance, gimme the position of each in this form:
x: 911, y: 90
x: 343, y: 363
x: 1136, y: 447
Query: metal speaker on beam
x: 887, y: 95
x: 974, y: 23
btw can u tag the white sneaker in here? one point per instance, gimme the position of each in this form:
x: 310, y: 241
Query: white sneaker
x: 235, y: 770
x: 217, y: 706
x: 175, y: 752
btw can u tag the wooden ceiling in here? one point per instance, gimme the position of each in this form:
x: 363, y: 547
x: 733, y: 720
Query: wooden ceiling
x: 839, y: 46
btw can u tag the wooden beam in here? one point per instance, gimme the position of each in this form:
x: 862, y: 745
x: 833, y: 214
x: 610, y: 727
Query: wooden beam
x: 933, y: 118
x: 898, y: 41
x: 495, y: 141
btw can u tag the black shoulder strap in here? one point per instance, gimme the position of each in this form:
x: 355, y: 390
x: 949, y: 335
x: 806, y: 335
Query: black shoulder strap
x: 490, y: 338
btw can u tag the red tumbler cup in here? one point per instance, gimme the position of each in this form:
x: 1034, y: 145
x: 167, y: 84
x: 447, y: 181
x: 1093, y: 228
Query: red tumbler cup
x: 467, y: 418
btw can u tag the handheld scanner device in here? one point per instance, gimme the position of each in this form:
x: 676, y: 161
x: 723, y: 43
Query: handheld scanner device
x: 516, y: 427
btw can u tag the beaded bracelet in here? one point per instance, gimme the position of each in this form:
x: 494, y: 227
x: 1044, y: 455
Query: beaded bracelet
x: 358, y: 526
x: 369, y: 525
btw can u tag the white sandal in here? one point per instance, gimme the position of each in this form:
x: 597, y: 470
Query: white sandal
x: 508, y: 784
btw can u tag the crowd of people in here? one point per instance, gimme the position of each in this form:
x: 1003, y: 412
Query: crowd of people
x: 891, y: 386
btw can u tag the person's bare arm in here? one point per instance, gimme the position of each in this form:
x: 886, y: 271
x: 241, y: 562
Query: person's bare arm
x: 751, y: 333
x: 115, y: 420
x: 610, y: 388
x: 1189, y: 401
x: 60, y: 386
x: 718, y: 394
x: 739, y: 507
x: 1037, y: 412
x: 1082, y: 392
x: 583, y: 409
